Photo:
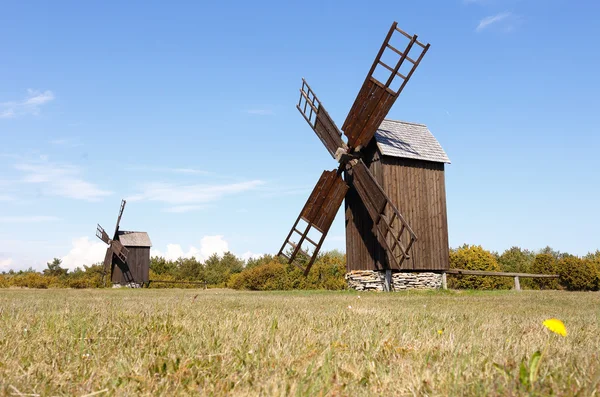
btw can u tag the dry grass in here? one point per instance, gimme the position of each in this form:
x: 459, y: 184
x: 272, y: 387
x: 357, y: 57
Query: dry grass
x: 178, y: 342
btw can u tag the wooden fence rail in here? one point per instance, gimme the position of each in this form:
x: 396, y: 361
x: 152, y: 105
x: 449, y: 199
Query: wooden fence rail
x: 464, y: 272
x: 203, y: 283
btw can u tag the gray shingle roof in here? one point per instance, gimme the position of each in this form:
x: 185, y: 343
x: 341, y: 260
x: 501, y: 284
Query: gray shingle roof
x: 134, y: 239
x: 409, y: 140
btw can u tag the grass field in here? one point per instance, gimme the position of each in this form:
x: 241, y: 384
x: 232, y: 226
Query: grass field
x: 179, y: 342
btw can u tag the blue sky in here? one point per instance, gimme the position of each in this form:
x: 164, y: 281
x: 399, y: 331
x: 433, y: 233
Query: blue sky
x: 188, y: 110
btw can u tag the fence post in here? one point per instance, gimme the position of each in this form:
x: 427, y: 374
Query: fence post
x: 387, y: 284
x: 444, y: 281
x: 517, y: 284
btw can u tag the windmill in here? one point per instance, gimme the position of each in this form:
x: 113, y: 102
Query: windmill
x: 381, y: 88
x: 127, y: 255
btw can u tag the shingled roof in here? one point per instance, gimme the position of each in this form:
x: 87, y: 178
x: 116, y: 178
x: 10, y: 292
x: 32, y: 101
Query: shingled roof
x: 134, y: 239
x: 409, y: 140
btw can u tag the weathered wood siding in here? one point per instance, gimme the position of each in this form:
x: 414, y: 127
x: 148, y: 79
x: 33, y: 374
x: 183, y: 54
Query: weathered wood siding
x: 417, y: 188
x: 138, y: 261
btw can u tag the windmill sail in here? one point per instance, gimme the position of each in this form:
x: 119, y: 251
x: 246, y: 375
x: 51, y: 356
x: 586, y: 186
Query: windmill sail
x: 392, y: 231
x: 375, y: 98
x: 319, y: 120
x: 318, y: 213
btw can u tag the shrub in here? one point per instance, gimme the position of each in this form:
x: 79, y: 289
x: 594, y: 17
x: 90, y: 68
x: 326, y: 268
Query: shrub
x: 517, y: 260
x: 578, y: 274
x: 266, y: 277
x: 327, y: 273
x: 32, y: 280
x: 545, y: 264
x: 474, y: 257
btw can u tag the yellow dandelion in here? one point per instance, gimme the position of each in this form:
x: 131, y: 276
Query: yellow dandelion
x: 440, y: 331
x: 556, y: 326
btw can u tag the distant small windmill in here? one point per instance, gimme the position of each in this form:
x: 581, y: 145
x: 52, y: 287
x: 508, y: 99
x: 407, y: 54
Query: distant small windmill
x: 386, y: 165
x: 127, y: 256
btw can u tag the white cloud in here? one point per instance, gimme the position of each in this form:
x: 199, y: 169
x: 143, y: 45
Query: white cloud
x: 84, y: 252
x: 6, y: 197
x: 209, y: 245
x: 250, y: 255
x: 189, y: 197
x: 260, y: 112
x: 27, y: 219
x: 28, y: 106
x: 5, y: 264
x: 60, y: 180
x: 494, y: 19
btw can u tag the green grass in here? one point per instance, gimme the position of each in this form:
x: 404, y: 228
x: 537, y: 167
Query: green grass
x: 178, y: 342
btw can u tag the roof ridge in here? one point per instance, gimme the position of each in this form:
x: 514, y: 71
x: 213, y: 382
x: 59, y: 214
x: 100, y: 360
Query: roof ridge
x: 405, y: 122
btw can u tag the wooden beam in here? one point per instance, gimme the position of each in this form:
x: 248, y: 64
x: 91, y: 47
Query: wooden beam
x: 499, y: 274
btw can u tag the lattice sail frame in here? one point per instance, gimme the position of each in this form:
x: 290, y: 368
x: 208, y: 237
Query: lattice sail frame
x: 375, y: 98
x: 318, y: 213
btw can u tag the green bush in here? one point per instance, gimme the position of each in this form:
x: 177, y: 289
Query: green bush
x: 474, y: 257
x: 32, y: 280
x: 517, y: 260
x: 327, y: 273
x: 545, y: 264
x: 578, y: 274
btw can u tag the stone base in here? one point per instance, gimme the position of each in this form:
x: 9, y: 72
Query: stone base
x: 374, y: 280
x: 129, y: 285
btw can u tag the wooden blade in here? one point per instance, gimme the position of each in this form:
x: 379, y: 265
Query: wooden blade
x: 119, y: 250
x: 375, y: 98
x: 102, y: 235
x: 392, y: 231
x: 318, y: 213
x: 324, y: 201
x: 107, y: 264
x: 121, y: 209
x: 319, y: 120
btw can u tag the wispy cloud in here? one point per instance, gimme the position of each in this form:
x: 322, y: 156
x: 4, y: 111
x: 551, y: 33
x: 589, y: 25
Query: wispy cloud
x: 176, y: 170
x: 62, y: 180
x: 28, y: 106
x: 28, y: 219
x: 260, y: 112
x: 184, y: 198
x: 494, y: 19
x: 67, y: 142
x: 280, y: 191
x: 180, y: 209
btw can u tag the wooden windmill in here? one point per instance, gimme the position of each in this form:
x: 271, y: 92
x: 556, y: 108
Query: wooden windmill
x: 378, y: 236
x: 128, y: 254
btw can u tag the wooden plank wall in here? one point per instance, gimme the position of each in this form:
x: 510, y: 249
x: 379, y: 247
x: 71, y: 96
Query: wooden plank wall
x: 138, y: 261
x: 417, y: 188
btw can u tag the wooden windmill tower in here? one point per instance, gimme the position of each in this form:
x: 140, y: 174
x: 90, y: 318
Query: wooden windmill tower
x: 393, y: 176
x: 127, y: 256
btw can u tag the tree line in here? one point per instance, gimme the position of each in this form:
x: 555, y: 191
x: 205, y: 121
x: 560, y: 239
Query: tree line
x: 272, y: 273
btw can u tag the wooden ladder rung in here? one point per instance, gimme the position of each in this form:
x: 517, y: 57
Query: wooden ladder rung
x: 409, y: 59
x: 392, y: 70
